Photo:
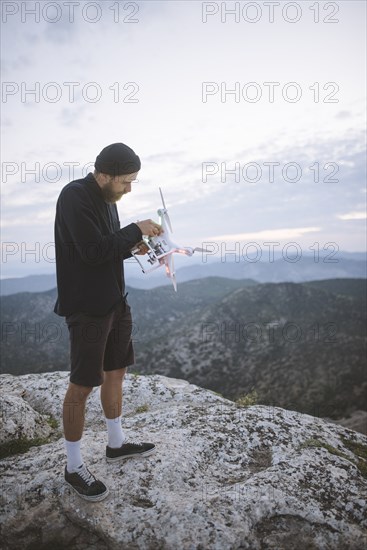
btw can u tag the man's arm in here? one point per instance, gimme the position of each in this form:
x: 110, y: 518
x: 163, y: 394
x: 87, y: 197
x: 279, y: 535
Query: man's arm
x: 82, y: 224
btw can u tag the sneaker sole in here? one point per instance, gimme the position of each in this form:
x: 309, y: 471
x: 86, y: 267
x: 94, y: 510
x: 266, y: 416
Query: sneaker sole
x: 124, y: 457
x: 93, y: 498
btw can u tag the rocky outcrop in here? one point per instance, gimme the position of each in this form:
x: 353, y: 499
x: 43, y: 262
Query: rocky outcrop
x: 222, y: 477
x: 20, y: 421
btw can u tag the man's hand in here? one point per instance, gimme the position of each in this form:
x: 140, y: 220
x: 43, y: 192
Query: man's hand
x: 143, y: 249
x: 150, y: 228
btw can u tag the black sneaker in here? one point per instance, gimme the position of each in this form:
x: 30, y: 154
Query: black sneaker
x: 129, y: 449
x: 86, y: 485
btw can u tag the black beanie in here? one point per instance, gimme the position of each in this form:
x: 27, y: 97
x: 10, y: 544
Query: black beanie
x: 117, y: 159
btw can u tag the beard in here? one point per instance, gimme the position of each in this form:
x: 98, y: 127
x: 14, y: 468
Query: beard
x: 109, y: 194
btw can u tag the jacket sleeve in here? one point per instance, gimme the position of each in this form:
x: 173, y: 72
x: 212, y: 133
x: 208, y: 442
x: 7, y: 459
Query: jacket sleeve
x: 84, y: 234
x: 127, y: 255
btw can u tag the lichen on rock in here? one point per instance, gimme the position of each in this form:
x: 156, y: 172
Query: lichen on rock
x: 222, y: 477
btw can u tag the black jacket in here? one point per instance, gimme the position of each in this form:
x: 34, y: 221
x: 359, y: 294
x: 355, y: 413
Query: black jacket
x: 90, y: 249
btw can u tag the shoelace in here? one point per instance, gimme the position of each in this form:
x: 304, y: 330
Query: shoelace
x: 132, y: 442
x: 86, y: 475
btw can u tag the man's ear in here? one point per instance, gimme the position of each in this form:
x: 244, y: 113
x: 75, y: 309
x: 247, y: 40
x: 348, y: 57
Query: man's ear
x: 105, y: 178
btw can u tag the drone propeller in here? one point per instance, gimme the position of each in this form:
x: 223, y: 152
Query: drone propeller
x: 190, y: 251
x: 170, y: 270
x: 165, y: 213
x: 173, y: 274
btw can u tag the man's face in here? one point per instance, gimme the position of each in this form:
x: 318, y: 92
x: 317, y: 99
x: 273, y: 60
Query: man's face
x: 114, y: 187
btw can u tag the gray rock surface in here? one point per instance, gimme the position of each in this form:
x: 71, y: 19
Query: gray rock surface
x: 222, y: 477
x: 19, y: 420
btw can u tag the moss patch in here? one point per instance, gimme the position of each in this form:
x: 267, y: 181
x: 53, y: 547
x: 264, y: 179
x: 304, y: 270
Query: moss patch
x: 356, y: 448
x: 21, y: 446
x: 142, y: 408
x: 248, y: 399
x: 360, y: 451
x: 317, y: 443
x: 52, y: 422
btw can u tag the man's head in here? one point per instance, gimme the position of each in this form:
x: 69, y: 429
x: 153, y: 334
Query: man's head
x: 114, y: 187
x: 116, y: 167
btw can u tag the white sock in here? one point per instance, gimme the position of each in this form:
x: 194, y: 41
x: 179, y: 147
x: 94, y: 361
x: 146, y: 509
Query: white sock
x: 116, y: 436
x: 74, y: 458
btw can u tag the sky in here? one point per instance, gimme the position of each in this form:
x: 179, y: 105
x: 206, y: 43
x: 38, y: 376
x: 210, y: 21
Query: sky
x: 249, y: 115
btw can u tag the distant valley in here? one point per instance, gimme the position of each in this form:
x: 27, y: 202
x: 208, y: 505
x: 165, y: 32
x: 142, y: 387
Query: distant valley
x: 298, y: 346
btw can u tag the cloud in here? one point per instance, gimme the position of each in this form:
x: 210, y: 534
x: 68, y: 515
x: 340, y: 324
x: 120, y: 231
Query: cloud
x: 353, y: 216
x: 6, y: 122
x: 174, y: 131
x: 285, y: 233
x: 73, y: 115
x: 44, y: 217
x: 344, y: 114
x: 21, y: 62
x: 164, y: 156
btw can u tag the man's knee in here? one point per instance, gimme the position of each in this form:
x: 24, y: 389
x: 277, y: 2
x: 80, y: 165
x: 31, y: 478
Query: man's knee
x: 76, y: 392
x: 114, y: 375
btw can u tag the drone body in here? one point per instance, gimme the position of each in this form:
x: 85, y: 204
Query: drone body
x: 162, y: 248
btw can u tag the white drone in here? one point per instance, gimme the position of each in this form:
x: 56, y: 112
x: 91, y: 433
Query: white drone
x: 161, y: 247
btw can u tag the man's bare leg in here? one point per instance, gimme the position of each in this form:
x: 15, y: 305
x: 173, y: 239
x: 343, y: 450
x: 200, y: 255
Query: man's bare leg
x: 74, y: 411
x: 119, y: 447
x: 77, y: 474
x: 73, y: 420
x: 111, y: 399
x: 111, y: 392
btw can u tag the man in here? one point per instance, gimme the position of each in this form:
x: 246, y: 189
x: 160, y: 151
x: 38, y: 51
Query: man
x: 90, y: 249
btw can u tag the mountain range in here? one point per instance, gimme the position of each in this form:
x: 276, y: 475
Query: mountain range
x: 343, y: 265
x: 301, y: 346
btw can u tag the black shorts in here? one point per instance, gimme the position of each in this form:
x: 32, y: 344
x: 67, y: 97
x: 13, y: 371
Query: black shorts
x: 99, y: 344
